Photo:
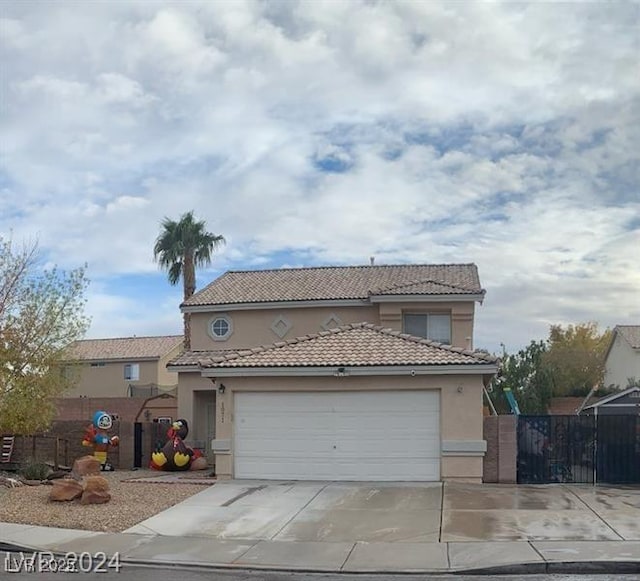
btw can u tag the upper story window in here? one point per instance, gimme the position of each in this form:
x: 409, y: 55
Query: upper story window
x: 220, y: 327
x: 99, y: 364
x: 429, y: 326
x: 132, y: 371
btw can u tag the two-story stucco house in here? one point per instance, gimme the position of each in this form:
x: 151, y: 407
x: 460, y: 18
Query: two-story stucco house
x: 124, y: 367
x: 338, y: 373
x: 622, y: 361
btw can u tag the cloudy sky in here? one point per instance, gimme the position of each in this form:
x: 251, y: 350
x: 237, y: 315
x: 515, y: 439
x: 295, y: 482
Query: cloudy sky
x: 313, y: 133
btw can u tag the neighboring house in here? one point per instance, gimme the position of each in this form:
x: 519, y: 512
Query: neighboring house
x: 622, y: 361
x: 338, y: 373
x: 624, y: 403
x: 124, y: 367
x: 565, y: 406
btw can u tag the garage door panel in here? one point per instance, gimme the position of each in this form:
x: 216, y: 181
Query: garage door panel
x: 288, y: 469
x: 311, y: 402
x: 390, y: 435
x: 392, y: 471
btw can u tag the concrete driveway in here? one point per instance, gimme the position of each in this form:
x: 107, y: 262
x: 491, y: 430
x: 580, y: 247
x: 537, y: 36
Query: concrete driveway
x: 544, y: 512
x: 401, y: 512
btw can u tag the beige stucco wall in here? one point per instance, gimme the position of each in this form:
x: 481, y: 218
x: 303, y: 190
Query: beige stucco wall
x: 460, y: 409
x: 253, y: 327
x: 168, y: 377
x: 622, y: 363
x: 109, y: 381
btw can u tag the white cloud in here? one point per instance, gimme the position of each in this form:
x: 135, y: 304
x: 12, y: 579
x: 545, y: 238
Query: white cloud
x: 504, y: 134
x: 116, y: 315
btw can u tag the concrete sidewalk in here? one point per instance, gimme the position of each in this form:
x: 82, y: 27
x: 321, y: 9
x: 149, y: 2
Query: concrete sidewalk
x: 504, y: 556
x: 374, y: 527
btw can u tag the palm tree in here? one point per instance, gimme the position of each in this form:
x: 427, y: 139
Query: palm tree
x: 180, y: 247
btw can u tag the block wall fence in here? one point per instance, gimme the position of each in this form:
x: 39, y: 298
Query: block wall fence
x: 500, y: 461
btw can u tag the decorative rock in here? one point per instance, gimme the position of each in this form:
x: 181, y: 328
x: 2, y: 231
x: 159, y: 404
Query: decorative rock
x: 10, y: 482
x: 199, y: 464
x: 65, y: 489
x: 95, y: 497
x: 85, y: 465
x: 58, y: 474
x: 96, y: 490
x: 95, y: 483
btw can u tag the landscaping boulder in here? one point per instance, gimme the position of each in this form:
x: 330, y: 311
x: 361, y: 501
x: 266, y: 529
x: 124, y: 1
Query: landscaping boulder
x: 85, y: 465
x: 65, y: 489
x: 199, y: 464
x: 96, y: 490
x: 95, y: 497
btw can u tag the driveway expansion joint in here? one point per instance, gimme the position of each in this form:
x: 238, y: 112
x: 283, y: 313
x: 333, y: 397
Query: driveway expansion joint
x: 595, y: 513
x: 348, y: 556
x: 530, y: 543
x: 297, y: 513
x: 245, y: 552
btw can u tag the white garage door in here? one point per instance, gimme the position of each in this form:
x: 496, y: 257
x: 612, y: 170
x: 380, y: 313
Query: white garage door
x: 338, y: 435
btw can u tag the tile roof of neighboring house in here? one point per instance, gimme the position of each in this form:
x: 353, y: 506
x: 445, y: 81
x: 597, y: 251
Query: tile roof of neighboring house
x: 564, y: 406
x: 631, y: 333
x: 190, y: 358
x: 338, y: 282
x: 124, y: 348
x: 360, y: 344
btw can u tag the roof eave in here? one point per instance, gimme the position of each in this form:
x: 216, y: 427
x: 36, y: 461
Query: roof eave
x: 613, y: 397
x: 114, y: 359
x: 443, y: 298
x: 179, y: 368
x: 364, y: 370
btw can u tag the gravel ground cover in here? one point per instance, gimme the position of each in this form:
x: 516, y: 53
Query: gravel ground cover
x: 131, y: 502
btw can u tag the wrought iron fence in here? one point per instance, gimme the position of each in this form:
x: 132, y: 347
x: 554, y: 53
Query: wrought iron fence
x: 578, y: 449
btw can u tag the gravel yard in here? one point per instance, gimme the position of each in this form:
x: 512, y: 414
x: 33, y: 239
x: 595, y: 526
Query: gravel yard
x: 131, y: 503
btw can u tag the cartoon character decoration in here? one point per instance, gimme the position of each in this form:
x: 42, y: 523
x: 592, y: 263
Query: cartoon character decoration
x: 96, y: 436
x: 174, y: 455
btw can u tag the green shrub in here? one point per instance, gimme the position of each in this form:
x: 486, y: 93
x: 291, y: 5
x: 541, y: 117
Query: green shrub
x: 32, y: 470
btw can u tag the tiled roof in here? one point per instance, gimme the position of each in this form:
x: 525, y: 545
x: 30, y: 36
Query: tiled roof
x: 564, y: 406
x: 338, y: 282
x: 124, y: 348
x: 631, y: 333
x: 189, y: 358
x: 360, y: 344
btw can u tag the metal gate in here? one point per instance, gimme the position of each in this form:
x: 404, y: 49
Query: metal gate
x: 137, y: 445
x: 618, y: 452
x: 580, y: 449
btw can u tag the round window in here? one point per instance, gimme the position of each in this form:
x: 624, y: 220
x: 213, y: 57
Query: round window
x: 220, y: 328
